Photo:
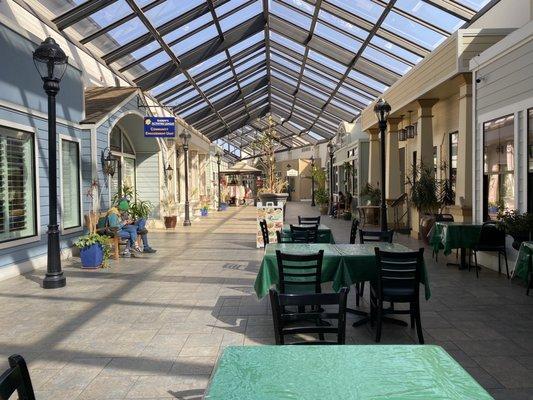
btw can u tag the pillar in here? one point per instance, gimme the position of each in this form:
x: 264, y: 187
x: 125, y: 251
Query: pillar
x: 392, y: 162
x: 424, y: 138
x: 463, y: 187
x: 374, y: 157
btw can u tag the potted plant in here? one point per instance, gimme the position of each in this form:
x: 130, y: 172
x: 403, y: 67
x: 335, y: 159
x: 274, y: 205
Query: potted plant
x: 347, y: 215
x: 519, y: 226
x: 274, y: 186
x: 141, y: 209
x: 169, y: 208
x: 321, y: 193
x: 204, y: 209
x: 94, y: 250
x: 371, y: 195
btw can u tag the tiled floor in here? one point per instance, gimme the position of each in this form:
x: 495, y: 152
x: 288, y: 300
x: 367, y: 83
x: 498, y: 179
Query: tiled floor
x: 152, y: 327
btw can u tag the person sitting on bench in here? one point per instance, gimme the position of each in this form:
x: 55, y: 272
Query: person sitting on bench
x: 138, y: 226
x: 124, y: 231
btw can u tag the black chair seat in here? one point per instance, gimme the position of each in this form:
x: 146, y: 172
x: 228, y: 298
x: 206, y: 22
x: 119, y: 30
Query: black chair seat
x: 397, y: 295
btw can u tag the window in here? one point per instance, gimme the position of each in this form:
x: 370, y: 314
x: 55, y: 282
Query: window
x: 123, y: 154
x: 498, y: 166
x: 70, y: 184
x: 530, y: 160
x: 452, y: 162
x: 17, y: 185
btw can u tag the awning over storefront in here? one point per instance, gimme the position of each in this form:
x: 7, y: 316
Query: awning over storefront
x: 100, y: 101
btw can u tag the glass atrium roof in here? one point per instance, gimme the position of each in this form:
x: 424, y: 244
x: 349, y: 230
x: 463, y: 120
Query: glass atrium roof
x: 224, y: 65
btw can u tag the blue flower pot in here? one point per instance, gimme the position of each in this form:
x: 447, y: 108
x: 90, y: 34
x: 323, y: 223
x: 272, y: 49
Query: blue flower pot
x: 204, y: 213
x: 92, y: 256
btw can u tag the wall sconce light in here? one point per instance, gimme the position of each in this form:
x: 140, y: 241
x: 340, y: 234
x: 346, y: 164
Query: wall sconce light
x: 108, y: 162
x: 168, y: 172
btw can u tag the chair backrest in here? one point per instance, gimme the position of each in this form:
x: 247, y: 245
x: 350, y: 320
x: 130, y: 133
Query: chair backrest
x: 304, y: 234
x: 16, y: 379
x: 283, y: 238
x: 309, y: 220
x: 492, y: 235
x: 375, y: 236
x: 444, y: 218
x: 264, y: 231
x: 399, y: 270
x: 284, y: 320
x: 353, y: 231
x: 299, y: 271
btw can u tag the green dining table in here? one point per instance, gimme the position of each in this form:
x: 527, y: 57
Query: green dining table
x: 447, y: 236
x: 324, y: 233
x: 349, y: 372
x: 524, y: 264
x: 343, y: 264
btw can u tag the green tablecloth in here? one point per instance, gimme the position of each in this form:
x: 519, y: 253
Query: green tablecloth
x: 340, y: 372
x: 523, y: 262
x: 454, y: 235
x: 342, y: 264
x: 324, y: 233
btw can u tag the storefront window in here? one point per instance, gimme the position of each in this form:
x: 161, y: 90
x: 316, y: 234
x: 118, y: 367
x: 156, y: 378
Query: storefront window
x: 124, y: 156
x: 452, y: 162
x: 70, y: 189
x: 498, y: 165
x: 17, y: 185
x: 530, y: 160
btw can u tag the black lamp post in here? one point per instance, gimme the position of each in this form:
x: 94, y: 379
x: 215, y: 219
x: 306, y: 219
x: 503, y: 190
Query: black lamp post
x: 218, y: 156
x: 382, y: 110
x: 331, y: 150
x: 51, y: 63
x: 312, y: 181
x: 185, y: 137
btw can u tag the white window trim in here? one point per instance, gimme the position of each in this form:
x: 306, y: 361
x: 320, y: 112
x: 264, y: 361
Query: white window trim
x: 69, y: 138
x: 37, y: 237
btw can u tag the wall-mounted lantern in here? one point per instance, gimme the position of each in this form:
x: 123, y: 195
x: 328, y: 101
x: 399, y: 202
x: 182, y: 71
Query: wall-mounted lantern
x: 168, y: 172
x: 109, y: 163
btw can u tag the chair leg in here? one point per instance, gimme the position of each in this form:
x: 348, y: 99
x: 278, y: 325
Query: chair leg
x: 412, y: 314
x: 506, y: 264
x: 357, y: 294
x: 418, y: 323
x: 475, y: 264
x: 116, y: 245
x: 379, y: 320
x: 499, y: 263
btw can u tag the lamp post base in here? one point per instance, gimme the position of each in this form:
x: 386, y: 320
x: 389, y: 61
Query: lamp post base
x: 186, y: 223
x: 54, y: 281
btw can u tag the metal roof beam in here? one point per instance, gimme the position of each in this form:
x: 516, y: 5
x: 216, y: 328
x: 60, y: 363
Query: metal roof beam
x: 80, y: 12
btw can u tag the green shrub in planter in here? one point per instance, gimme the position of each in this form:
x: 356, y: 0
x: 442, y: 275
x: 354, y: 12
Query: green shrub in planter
x: 94, y: 250
x: 347, y: 215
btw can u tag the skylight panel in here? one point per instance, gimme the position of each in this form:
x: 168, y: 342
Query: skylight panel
x: 386, y: 61
x: 156, y: 61
x: 189, y: 94
x: 241, y: 16
x: 102, y: 18
x: 228, y: 7
x: 247, y: 43
x: 343, y: 106
x: 412, y: 31
x: 170, y: 9
x: 474, y: 5
x: 185, y: 29
x: 318, y: 78
x: 427, y: 12
x: 205, y: 65
x: 214, y: 81
x: 284, y: 62
x: 314, y: 92
x: 362, y: 8
x: 328, y: 62
x: 394, y: 49
x: 202, y: 104
x: 354, y: 94
x: 290, y: 15
x: 259, y: 74
x: 195, y: 40
x: 224, y: 93
x: 337, y: 37
x: 250, y: 63
x: 342, y: 24
x: 380, y: 87
x: 290, y: 44
x: 315, y: 136
x: 168, y: 84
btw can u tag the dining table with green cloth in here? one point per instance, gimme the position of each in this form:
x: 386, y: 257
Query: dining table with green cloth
x: 353, y: 372
x: 524, y: 263
x: 342, y: 264
x: 454, y: 235
x: 324, y: 232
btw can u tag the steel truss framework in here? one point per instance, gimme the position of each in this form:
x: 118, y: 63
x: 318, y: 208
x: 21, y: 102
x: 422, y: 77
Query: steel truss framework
x: 225, y: 65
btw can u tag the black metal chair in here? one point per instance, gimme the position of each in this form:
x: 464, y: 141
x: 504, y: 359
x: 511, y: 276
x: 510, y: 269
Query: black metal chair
x: 491, y: 239
x: 370, y: 237
x: 353, y: 231
x: 294, y: 323
x: 398, y: 281
x: 299, y: 273
x: 283, y: 238
x: 264, y: 231
x: 309, y: 220
x: 16, y: 379
x: 304, y: 234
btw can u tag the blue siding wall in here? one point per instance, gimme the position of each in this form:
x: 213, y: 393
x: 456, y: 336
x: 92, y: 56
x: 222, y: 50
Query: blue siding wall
x: 21, y: 85
x: 148, y: 179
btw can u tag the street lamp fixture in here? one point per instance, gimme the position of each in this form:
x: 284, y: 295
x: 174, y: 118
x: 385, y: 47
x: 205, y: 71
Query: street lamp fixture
x: 313, y: 181
x: 185, y: 137
x: 382, y: 110
x: 168, y: 172
x: 51, y: 63
x: 218, y: 156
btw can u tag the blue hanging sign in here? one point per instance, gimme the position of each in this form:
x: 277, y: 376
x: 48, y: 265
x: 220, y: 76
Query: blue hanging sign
x: 160, y: 127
